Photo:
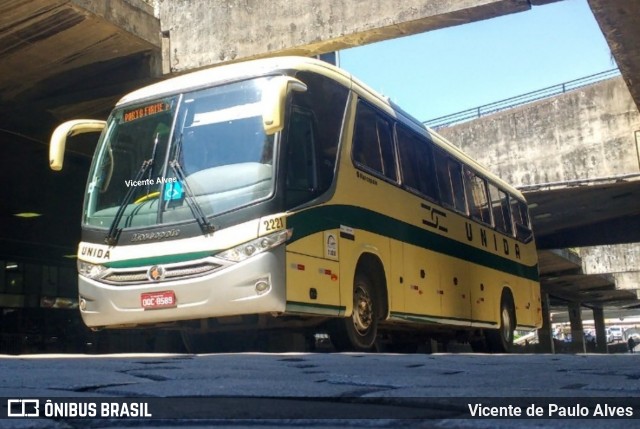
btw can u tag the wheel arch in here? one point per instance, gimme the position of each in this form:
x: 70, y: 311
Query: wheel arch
x: 371, y: 265
x: 507, y: 294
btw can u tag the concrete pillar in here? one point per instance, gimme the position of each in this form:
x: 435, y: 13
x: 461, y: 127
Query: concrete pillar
x: 545, y: 334
x: 601, y: 332
x: 577, y: 333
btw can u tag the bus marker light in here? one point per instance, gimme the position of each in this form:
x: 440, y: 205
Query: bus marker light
x: 262, y: 286
x: 249, y: 250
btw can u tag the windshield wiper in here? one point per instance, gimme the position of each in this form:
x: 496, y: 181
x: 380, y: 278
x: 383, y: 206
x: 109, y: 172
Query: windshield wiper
x: 195, y: 208
x: 114, y: 232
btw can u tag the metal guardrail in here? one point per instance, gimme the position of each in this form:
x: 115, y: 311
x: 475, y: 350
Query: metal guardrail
x: 487, y: 109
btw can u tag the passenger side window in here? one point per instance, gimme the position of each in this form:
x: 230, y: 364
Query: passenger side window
x: 476, y: 187
x: 450, y: 184
x: 302, y: 177
x: 500, y: 209
x: 520, y: 214
x: 310, y: 143
x: 416, y: 160
x: 373, y: 144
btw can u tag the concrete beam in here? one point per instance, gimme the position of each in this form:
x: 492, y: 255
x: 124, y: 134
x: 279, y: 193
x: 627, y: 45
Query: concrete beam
x: 609, y: 231
x: 628, y: 281
x: 205, y: 33
x: 619, y: 258
x: 619, y: 22
x: 622, y: 260
x: 133, y: 16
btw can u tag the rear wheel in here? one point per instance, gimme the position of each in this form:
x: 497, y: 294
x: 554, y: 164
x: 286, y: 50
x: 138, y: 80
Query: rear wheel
x: 359, y: 331
x: 501, y: 340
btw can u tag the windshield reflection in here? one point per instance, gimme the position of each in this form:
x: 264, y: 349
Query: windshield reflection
x: 220, y: 159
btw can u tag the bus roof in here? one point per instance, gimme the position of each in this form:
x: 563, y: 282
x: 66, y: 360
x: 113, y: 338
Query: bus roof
x: 285, y: 65
x: 231, y: 72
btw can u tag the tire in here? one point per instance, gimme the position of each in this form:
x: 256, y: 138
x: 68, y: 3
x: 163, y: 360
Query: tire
x: 501, y: 340
x: 358, y: 332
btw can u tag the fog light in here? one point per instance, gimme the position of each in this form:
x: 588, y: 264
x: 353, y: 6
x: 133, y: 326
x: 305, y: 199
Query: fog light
x: 82, y: 304
x: 262, y: 286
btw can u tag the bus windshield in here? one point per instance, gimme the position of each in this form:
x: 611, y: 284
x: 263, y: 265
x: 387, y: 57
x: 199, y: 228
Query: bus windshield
x: 159, y: 161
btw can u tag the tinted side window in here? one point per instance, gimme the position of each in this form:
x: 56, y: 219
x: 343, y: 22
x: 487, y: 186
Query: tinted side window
x: 442, y: 174
x: 416, y: 160
x: 476, y: 188
x: 500, y: 209
x: 312, y: 138
x: 372, y: 144
x: 520, y: 214
x: 450, y: 184
x: 302, y: 174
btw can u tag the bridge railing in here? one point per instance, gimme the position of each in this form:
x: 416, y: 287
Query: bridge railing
x: 487, y: 109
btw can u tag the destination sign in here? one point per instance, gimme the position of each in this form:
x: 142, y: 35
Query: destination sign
x: 143, y: 112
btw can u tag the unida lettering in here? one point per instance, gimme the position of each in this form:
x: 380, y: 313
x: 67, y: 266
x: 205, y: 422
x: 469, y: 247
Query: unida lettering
x: 95, y: 252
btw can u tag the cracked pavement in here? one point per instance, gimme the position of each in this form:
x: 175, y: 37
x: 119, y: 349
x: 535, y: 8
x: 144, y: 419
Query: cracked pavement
x: 422, y: 388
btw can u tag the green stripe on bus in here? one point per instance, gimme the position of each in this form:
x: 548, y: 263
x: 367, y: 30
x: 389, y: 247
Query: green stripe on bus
x: 156, y: 260
x: 322, y: 218
x: 305, y: 307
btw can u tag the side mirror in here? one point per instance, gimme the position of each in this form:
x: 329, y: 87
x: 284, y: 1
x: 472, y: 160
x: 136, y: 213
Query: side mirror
x: 69, y: 129
x: 273, y: 100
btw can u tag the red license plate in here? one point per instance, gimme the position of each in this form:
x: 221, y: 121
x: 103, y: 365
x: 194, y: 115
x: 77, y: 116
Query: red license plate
x: 154, y: 300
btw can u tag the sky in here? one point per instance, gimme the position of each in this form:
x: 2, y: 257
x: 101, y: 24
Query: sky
x: 457, y: 68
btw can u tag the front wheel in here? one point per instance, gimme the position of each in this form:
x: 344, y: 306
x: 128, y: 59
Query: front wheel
x: 501, y: 340
x: 358, y: 332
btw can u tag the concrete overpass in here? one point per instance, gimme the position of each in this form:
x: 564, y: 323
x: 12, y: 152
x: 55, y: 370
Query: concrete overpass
x: 619, y: 22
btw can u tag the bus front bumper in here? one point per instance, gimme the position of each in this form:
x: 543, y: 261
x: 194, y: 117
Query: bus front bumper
x: 238, y: 289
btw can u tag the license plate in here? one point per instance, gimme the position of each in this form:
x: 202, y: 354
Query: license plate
x: 154, y: 300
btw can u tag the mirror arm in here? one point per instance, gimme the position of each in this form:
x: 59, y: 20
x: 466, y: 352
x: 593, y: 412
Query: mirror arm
x: 69, y: 129
x: 274, y: 100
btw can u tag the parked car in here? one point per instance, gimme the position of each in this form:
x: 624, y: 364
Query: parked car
x: 614, y: 333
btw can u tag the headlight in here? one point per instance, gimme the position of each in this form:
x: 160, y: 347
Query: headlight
x: 87, y: 269
x: 255, y: 247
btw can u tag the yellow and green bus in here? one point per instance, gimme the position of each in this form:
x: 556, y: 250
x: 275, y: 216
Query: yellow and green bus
x: 283, y: 193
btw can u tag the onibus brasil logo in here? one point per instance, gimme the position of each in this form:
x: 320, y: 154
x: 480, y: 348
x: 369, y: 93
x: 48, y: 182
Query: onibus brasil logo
x: 36, y: 408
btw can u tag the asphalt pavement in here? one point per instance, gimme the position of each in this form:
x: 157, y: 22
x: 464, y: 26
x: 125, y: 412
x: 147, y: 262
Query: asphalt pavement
x: 261, y: 390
